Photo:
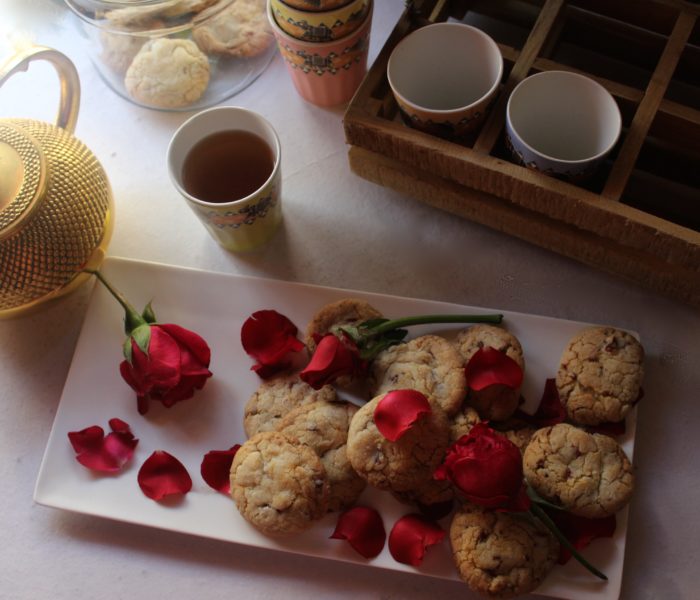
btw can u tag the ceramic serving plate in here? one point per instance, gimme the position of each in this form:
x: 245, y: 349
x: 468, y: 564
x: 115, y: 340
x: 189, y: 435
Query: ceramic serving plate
x: 215, y: 305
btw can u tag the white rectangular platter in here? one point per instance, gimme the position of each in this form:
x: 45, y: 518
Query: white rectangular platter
x: 215, y: 305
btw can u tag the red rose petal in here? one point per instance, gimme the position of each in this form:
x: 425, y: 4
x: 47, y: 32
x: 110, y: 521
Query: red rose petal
x: 411, y: 536
x: 398, y: 410
x: 332, y: 358
x: 550, y: 410
x: 162, y: 475
x: 87, y: 440
x: 489, y: 366
x: 364, y: 530
x: 107, y: 454
x: 268, y: 337
x: 580, y: 531
x: 216, y: 468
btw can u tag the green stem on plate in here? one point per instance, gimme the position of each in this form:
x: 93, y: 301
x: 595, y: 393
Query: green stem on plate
x: 538, y: 512
x: 429, y: 319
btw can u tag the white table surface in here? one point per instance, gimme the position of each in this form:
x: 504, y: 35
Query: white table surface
x: 338, y: 230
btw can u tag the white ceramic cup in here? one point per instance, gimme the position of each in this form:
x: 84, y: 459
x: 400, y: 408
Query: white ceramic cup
x: 248, y: 222
x: 562, y: 124
x: 444, y: 77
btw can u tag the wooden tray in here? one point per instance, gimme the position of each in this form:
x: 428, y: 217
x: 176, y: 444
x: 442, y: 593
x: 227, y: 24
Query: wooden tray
x: 640, y: 217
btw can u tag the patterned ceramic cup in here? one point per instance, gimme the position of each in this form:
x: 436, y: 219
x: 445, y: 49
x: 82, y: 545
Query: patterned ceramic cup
x: 562, y: 124
x: 444, y: 78
x: 243, y: 224
x: 323, y: 26
x: 328, y: 73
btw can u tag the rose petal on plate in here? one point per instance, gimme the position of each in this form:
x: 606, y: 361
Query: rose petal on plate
x: 216, y: 468
x: 106, y: 454
x: 398, y: 410
x: 363, y: 529
x: 489, y: 366
x: 411, y: 536
x: 268, y: 337
x: 163, y: 475
x: 550, y: 410
x: 87, y: 440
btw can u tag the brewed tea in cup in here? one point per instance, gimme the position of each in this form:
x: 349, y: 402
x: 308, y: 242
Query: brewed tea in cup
x: 225, y: 162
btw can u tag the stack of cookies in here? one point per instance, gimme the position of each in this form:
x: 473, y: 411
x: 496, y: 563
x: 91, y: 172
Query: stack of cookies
x: 309, y: 452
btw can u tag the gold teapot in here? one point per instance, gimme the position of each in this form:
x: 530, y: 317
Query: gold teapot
x: 56, y: 207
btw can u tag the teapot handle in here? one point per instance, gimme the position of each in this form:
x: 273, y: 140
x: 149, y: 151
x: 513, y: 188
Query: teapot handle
x: 67, y: 75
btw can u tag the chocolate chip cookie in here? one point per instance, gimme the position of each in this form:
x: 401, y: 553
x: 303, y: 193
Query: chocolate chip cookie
x: 600, y: 375
x: 279, y: 487
x: 496, y: 402
x: 323, y: 426
x: 278, y: 396
x: 499, y: 555
x: 349, y: 311
x: 429, y: 364
x: 399, y: 466
x: 587, y: 474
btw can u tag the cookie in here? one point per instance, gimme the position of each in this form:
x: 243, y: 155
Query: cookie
x: 349, y: 311
x: 495, y: 402
x: 278, y: 486
x: 462, y: 423
x: 119, y: 50
x: 587, y: 474
x: 239, y: 30
x: 278, y: 396
x: 520, y: 437
x: 499, y: 555
x: 600, y: 375
x: 168, y: 73
x: 149, y: 17
x: 323, y: 426
x: 399, y: 466
x: 429, y: 364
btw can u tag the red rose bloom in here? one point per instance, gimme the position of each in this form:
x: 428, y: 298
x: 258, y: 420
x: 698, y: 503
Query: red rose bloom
x: 486, y: 468
x: 332, y: 358
x: 165, y: 363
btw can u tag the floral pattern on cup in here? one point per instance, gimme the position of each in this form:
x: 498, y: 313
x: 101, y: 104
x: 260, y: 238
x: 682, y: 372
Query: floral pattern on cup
x: 319, y: 27
x: 533, y: 163
x: 246, y: 216
x: 322, y: 64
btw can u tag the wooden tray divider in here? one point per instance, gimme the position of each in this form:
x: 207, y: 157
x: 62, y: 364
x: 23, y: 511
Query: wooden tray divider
x: 646, y: 111
x: 550, y: 14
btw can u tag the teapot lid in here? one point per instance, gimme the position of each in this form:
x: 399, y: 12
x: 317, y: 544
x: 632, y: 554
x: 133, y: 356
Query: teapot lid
x: 22, y: 176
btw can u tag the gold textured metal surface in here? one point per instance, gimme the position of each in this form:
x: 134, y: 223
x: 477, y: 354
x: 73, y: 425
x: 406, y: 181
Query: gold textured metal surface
x: 68, y: 229
x: 22, y: 169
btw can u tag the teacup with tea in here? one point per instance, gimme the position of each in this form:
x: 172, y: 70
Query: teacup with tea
x: 225, y: 162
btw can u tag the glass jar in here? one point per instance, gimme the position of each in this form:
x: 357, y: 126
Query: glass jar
x: 176, y: 54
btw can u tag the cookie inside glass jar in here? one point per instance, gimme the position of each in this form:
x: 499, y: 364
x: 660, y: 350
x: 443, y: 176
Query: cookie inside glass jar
x: 176, y: 54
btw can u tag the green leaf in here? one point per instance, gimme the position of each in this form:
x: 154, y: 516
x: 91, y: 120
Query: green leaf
x: 142, y: 336
x: 148, y: 315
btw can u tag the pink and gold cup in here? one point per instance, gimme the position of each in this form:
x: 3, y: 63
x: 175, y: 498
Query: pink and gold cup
x: 325, y: 73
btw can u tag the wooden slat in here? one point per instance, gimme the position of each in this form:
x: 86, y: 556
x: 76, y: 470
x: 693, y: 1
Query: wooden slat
x: 637, y: 266
x: 551, y: 12
x: 648, y: 107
